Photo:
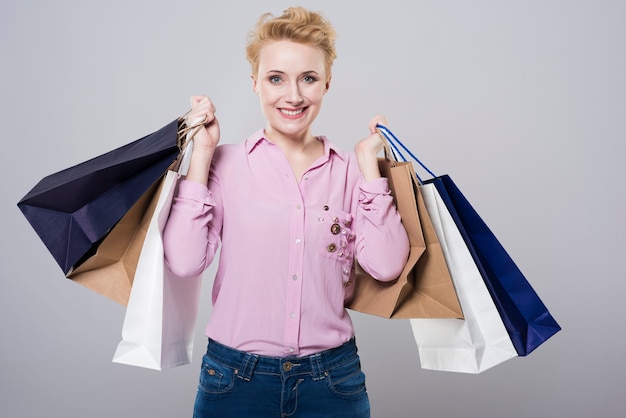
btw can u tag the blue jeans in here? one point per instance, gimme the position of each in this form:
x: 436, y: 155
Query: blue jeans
x: 243, y: 385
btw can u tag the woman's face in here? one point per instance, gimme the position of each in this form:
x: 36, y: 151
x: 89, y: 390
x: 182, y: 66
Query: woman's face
x: 291, y: 82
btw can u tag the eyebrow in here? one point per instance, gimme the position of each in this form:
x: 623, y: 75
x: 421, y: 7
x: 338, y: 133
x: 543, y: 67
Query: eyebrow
x: 282, y: 72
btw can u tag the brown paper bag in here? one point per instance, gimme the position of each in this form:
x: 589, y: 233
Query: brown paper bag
x: 110, y: 271
x: 424, y: 289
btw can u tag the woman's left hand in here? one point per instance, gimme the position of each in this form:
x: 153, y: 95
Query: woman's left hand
x: 367, y: 149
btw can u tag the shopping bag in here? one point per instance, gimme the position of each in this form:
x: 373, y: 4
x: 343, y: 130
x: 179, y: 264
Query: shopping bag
x: 424, y: 288
x: 111, y: 270
x: 75, y: 210
x: 159, y: 325
x: 478, y: 342
x: 526, y: 318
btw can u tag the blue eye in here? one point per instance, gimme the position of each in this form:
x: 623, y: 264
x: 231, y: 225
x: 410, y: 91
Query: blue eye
x: 275, y: 79
x: 309, y: 79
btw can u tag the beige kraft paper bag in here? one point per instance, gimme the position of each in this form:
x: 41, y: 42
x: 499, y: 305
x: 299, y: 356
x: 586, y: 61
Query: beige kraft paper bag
x: 424, y: 289
x: 111, y: 270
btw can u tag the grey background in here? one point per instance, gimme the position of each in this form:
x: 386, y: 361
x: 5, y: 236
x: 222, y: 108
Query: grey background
x: 521, y: 102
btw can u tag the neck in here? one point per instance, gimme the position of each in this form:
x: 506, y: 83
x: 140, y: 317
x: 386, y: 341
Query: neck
x: 301, y: 151
x: 296, y: 143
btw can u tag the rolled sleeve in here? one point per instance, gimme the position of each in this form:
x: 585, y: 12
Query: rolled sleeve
x: 382, y: 247
x: 189, y: 242
x: 196, y: 192
x: 375, y: 200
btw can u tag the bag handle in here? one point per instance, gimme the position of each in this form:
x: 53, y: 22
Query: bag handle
x: 390, y: 155
x: 182, y: 137
x: 184, y: 141
x: 392, y: 143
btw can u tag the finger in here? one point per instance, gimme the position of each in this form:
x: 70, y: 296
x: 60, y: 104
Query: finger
x: 206, y: 106
x: 377, y: 120
x: 202, y: 109
x: 213, y: 126
x: 209, y: 118
x: 195, y: 100
x: 380, y: 120
x: 200, y: 101
x: 373, y: 126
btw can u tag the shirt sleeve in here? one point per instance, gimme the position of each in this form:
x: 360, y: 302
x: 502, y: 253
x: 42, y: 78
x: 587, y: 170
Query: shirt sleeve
x: 192, y: 233
x: 382, y: 245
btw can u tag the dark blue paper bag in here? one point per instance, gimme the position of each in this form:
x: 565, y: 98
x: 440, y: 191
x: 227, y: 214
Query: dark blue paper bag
x: 72, y: 210
x: 526, y: 318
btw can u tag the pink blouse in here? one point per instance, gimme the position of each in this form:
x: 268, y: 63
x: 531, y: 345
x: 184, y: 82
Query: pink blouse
x: 287, y: 246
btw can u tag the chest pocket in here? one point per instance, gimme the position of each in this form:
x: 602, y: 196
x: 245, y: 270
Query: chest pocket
x: 336, y: 238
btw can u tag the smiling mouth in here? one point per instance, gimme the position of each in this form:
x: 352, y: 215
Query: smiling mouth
x: 292, y: 112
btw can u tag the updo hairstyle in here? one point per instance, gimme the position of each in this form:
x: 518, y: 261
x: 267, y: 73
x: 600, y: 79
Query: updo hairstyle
x: 296, y: 24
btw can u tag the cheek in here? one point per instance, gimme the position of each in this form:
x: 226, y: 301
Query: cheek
x: 313, y: 93
x: 318, y: 95
x: 268, y: 96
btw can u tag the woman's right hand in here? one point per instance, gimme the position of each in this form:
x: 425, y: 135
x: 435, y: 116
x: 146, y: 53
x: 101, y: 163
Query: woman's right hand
x: 205, y: 140
x: 208, y: 136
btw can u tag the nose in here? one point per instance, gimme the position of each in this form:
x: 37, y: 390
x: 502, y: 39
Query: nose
x: 294, y: 96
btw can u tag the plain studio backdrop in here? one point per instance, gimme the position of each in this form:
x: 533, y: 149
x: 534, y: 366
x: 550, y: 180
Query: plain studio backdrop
x: 522, y: 103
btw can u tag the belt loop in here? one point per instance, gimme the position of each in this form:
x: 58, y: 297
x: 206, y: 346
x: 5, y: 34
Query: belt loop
x: 247, y: 366
x: 317, y: 366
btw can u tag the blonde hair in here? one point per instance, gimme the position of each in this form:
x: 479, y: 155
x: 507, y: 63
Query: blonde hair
x: 296, y: 24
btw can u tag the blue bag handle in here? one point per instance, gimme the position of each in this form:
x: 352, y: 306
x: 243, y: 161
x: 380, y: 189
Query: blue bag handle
x: 395, y: 143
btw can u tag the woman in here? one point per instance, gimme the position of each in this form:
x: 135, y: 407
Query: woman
x: 290, y: 213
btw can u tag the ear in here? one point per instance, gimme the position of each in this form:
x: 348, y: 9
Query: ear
x: 254, y: 83
x: 328, y: 84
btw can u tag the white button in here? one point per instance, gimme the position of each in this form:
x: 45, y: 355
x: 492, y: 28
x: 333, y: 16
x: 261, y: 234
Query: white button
x: 293, y: 314
x: 294, y: 277
x: 306, y: 176
x: 297, y: 240
x: 298, y: 207
x: 291, y: 349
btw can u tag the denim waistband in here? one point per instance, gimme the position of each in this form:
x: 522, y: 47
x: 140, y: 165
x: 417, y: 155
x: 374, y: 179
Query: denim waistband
x: 246, y: 364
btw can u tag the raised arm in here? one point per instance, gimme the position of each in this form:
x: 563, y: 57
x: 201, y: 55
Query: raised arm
x: 382, y: 245
x: 191, y: 236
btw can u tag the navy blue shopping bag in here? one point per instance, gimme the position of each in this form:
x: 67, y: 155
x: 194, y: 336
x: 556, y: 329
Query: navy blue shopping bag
x: 74, y: 209
x: 526, y: 318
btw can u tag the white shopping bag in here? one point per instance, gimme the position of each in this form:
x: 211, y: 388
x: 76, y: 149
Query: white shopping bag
x: 480, y: 340
x: 159, y: 326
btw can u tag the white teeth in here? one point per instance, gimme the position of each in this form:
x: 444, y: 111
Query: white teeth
x: 291, y: 112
